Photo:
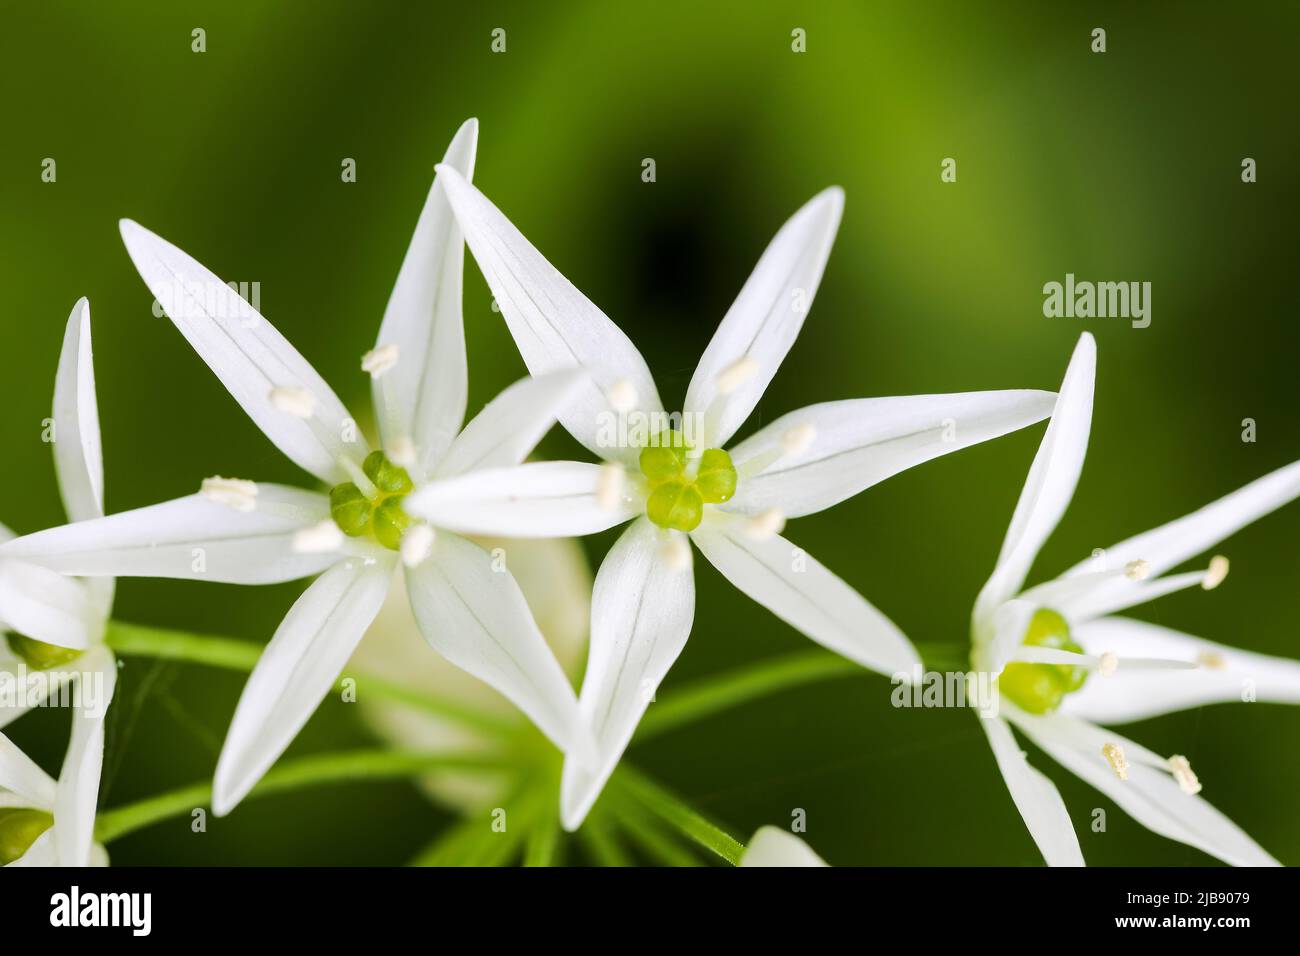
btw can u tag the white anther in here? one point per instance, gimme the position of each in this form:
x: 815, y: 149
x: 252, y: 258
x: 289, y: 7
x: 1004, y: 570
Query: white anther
x: 1211, y: 660
x: 1215, y: 573
x: 379, y: 360
x: 609, y: 486
x: 676, y: 553
x: 796, y: 440
x: 319, y: 538
x: 735, y: 375
x: 765, y: 524
x: 1182, y: 770
x: 417, y: 544
x: 1138, y: 570
x: 1114, y: 755
x: 401, y: 451
x: 1108, y: 665
x: 234, y: 493
x: 622, y: 396
x: 294, y: 401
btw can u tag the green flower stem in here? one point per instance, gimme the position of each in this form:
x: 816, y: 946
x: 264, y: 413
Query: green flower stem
x: 598, y: 837
x: 232, y: 654
x: 543, y: 840
x: 676, y: 814
x: 289, y: 775
x: 648, y: 833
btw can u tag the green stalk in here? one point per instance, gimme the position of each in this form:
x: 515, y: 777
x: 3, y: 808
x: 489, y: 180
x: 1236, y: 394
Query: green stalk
x: 676, y: 814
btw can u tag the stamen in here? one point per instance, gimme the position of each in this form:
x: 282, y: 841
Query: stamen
x: 735, y: 375
x: 294, y: 401
x: 609, y: 486
x: 234, y: 493
x: 401, y: 451
x: 1182, y: 770
x: 417, y: 544
x: 1114, y: 755
x: 1215, y: 573
x: 796, y: 440
x: 765, y: 524
x: 676, y: 553
x: 1212, y: 660
x: 1108, y: 664
x: 622, y: 396
x: 379, y: 360
x: 319, y: 538
x: 1138, y: 570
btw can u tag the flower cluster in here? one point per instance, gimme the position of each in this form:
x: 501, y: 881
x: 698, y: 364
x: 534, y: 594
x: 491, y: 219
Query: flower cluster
x: 420, y: 502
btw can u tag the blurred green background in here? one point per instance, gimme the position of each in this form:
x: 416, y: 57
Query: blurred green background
x: 1124, y: 165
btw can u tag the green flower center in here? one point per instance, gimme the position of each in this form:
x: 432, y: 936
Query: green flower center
x: 19, y: 828
x: 1040, y: 688
x: 39, y: 655
x: 679, y: 486
x: 380, y: 516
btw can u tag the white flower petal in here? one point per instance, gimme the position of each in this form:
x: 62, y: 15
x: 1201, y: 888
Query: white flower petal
x: 643, y: 604
x: 765, y: 319
x: 1051, y: 482
x: 1035, y: 796
x: 423, y: 396
x: 40, y: 854
x: 192, y: 537
x: 799, y: 590
x: 470, y: 609
x: 78, y: 459
x: 857, y: 443
x: 554, y: 325
x: 46, y: 606
x: 21, y: 777
x: 1150, y: 795
x: 14, y: 686
x: 538, y: 500
x: 1225, y: 675
x: 248, y: 355
x: 512, y: 424
x: 77, y: 794
x: 772, y: 846
x: 296, y: 671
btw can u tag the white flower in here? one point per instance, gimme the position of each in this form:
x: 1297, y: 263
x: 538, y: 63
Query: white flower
x: 678, y: 481
x: 772, y: 846
x: 468, y: 606
x: 56, y: 641
x: 1048, y: 640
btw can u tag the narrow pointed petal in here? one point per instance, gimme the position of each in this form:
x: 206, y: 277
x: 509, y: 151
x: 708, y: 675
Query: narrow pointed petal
x: 469, y: 608
x: 78, y: 459
x: 643, y: 604
x: 20, y: 776
x: 46, y: 606
x: 852, y: 445
x: 763, y: 322
x: 1226, y: 674
x: 800, y: 591
x: 192, y: 537
x: 554, y: 325
x: 772, y: 846
x: 1051, y: 482
x: 1035, y: 796
x: 1150, y: 795
x: 77, y: 794
x: 422, y: 398
x: 296, y: 671
x: 547, y: 499
x: 248, y: 355
x: 512, y: 424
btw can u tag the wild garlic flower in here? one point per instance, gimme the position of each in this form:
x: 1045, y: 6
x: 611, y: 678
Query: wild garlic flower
x: 774, y: 847
x: 52, y: 642
x: 672, y: 477
x: 1062, y: 661
x: 465, y: 601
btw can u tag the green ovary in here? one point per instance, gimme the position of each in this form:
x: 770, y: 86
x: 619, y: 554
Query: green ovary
x: 678, y: 494
x: 1040, y: 688
x: 381, y: 516
x: 19, y: 829
x: 39, y: 655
